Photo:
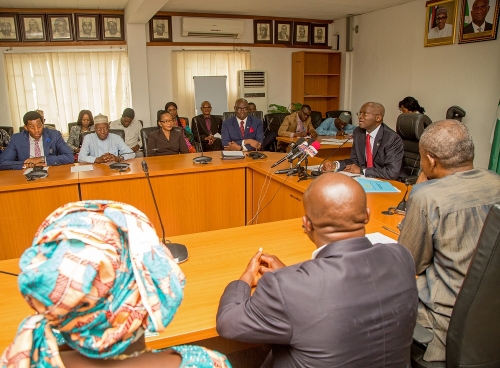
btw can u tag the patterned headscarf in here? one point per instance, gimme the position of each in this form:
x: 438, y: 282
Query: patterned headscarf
x: 97, y: 273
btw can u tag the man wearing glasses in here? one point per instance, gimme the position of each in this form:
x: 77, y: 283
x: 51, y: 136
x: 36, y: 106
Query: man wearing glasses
x: 207, y: 125
x: 442, y: 29
x: 242, y: 132
x: 377, y: 150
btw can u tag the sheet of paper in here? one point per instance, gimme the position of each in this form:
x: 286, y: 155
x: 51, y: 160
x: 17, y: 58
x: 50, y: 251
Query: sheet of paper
x: 377, y: 237
x: 82, y: 168
x: 334, y: 141
x: 217, y: 135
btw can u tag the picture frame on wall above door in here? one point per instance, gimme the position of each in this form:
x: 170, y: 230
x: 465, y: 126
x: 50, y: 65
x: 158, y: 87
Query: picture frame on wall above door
x: 263, y: 31
x: 319, y: 34
x: 283, y: 32
x: 440, y: 23
x: 160, y: 29
x: 33, y: 27
x: 9, y: 29
x: 87, y: 27
x: 60, y: 27
x: 113, y: 27
x: 478, y: 21
x: 301, y: 33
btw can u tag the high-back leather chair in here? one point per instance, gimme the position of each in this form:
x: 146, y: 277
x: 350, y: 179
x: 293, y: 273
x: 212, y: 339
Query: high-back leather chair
x: 145, y: 132
x: 316, y: 118
x: 455, y: 112
x: 71, y: 125
x: 274, y: 121
x: 9, y: 129
x: 48, y: 126
x: 336, y: 113
x: 256, y: 114
x: 119, y: 132
x: 474, y: 330
x: 410, y: 127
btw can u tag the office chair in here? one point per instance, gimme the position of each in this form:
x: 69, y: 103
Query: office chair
x: 48, y: 126
x: 474, y: 333
x: 455, y: 112
x: 119, y: 132
x: 410, y: 127
x: 145, y: 132
x: 336, y: 113
x: 71, y: 125
x: 316, y: 118
x: 9, y: 130
x: 256, y: 114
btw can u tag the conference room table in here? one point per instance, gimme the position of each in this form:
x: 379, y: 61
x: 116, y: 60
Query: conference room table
x: 326, y: 148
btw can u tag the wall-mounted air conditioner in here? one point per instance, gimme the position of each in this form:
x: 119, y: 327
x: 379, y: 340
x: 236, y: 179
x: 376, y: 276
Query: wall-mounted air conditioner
x: 252, y: 86
x: 209, y: 27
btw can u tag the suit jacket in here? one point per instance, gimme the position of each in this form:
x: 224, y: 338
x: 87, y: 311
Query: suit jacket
x: 470, y: 29
x: 215, y: 127
x: 55, y: 149
x: 289, y: 125
x: 231, y: 131
x: 387, y: 153
x: 354, y: 305
x: 159, y: 145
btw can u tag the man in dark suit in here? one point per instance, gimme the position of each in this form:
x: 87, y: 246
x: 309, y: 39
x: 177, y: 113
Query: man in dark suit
x: 242, y: 132
x: 35, y: 146
x: 480, y: 9
x: 353, y: 305
x: 204, y: 126
x: 377, y: 150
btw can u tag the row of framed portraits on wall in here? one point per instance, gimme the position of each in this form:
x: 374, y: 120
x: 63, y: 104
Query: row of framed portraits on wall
x: 478, y: 21
x: 61, y: 27
x: 290, y: 33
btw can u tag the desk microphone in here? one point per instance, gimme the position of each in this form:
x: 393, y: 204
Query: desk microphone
x: 179, y: 251
x: 318, y: 172
x: 301, y: 149
x: 200, y: 159
x: 311, y: 151
x: 400, y: 209
x: 294, y: 149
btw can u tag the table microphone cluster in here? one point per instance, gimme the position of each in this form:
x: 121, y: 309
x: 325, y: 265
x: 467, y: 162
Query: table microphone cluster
x: 318, y: 172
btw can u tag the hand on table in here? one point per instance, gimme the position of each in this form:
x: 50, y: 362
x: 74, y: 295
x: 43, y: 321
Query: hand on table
x: 260, y: 264
x: 353, y: 169
x: 255, y: 144
x: 33, y: 161
x: 328, y: 166
x: 313, y: 134
x: 301, y: 134
x: 232, y: 146
x: 106, y: 158
x: 135, y: 148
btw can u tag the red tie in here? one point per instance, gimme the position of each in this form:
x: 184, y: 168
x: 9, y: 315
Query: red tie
x: 207, y: 122
x: 38, y: 152
x: 242, y: 129
x: 369, y: 158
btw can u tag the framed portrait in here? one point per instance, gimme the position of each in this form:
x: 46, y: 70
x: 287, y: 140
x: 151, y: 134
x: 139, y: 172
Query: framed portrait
x: 283, y: 32
x: 301, y: 33
x: 160, y: 29
x: 440, y: 22
x: 33, y: 27
x: 113, y: 27
x: 263, y: 31
x: 60, y: 27
x: 478, y: 21
x: 87, y: 27
x: 9, y: 30
x: 319, y: 34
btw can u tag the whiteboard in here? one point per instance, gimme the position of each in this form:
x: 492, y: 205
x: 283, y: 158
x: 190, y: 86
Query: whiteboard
x: 213, y: 90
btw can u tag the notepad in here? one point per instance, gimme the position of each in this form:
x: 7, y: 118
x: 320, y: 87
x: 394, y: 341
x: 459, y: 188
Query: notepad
x: 377, y: 186
x: 232, y: 155
x: 377, y: 237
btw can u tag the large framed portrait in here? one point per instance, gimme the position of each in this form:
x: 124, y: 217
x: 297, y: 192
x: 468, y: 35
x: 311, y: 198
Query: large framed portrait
x: 9, y: 31
x: 33, y: 27
x: 113, y: 27
x: 440, y: 23
x: 319, y: 34
x: 301, y: 33
x: 160, y: 29
x: 478, y: 21
x: 87, y: 27
x: 60, y: 27
x: 263, y: 31
x: 283, y: 32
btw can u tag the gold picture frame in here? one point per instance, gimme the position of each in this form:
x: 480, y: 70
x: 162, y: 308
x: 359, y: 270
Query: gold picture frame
x: 440, y: 22
x: 482, y: 12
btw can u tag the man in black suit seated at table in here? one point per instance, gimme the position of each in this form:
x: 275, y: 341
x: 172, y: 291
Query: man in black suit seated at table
x: 377, y: 150
x: 206, y: 127
x: 480, y: 9
x: 353, y: 305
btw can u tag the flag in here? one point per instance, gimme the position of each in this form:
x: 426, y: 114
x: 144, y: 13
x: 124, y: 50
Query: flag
x: 467, y: 19
x: 494, y: 164
x: 432, y: 17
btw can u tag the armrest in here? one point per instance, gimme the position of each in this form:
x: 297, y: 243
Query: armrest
x: 422, y: 335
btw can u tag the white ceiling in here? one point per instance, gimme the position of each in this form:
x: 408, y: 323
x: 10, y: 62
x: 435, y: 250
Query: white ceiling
x: 312, y: 9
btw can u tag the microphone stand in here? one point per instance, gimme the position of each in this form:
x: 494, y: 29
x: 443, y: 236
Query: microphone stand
x: 303, y: 175
x: 400, y: 209
x: 319, y: 172
x: 200, y: 159
x: 179, y: 251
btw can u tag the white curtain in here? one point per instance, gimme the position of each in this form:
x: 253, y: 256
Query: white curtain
x: 62, y: 84
x: 188, y: 64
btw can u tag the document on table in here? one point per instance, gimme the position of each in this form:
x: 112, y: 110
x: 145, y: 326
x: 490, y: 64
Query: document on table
x: 377, y: 237
x: 82, y: 168
x: 334, y: 141
x: 232, y: 155
x: 377, y: 186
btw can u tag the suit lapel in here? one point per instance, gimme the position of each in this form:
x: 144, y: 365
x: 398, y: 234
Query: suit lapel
x: 378, y: 139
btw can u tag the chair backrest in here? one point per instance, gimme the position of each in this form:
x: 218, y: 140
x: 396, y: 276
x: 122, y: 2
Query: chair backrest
x: 316, y: 118
x: 71, y: 125
x: 119, y: 132
x: 336, y: 113
x: 455, y: 112
x: 145, y: 132
x: 474, y: 330
x: 229, y: 114
x: 48, y: 126
x: 410, y: 127
x: 274, y: 121
x: 9, y: 130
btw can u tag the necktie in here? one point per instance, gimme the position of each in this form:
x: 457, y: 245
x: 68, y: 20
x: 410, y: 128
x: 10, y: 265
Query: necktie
x: 300, y: 126
x: 369, y: 158
x: 242, y: 129
x: 479, y: 29
x: 207, y: 122
x: 38, y: 153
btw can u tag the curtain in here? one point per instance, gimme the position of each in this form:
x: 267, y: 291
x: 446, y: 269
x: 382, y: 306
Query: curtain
x: 188, y: 64
x: 494, y: 164
x: 62, y: 84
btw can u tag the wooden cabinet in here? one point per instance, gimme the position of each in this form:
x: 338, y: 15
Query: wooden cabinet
x: 316, y: 79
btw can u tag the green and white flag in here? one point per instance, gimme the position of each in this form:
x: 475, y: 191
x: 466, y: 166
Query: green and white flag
x: 494, y: 164
x: 467, y: 19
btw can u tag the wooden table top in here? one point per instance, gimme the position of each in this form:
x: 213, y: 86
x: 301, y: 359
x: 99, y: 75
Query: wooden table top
x: 215, y: 259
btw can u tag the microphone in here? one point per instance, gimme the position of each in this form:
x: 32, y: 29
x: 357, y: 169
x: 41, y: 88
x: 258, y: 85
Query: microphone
x: 200, y: 159
x: 402, y: 205
x: 301, y: 149
x: 179, y: 251
x: 293, y: 151
x: 319, y: 172
x: 311, y: 151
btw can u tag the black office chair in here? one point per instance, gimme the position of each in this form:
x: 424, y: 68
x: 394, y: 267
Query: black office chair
x: 48, y: 126
x: 145, y: 132
x: 474, y: 330
x: 410, y: 127
x: 336, y: 113
x: 256, y: 114
x: 316, y: 118
x: 455, y: 112
x: 9, y: 129
x: 71, y: 125
x: 119, y: 132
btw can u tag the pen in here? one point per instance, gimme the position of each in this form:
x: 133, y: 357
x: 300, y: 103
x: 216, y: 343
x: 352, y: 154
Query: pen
x: 389, y: 229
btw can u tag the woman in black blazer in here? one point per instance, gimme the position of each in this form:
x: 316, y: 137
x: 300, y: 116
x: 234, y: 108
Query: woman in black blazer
x: 167, y: 140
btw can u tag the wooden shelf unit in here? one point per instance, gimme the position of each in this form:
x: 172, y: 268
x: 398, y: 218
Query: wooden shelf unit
x: 316, y: 79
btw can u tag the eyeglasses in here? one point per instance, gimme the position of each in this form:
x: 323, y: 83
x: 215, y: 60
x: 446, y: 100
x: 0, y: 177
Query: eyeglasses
x: 206, y: 107
x: 166, y: 121
x: 364, y: 114
x: 440, y: 18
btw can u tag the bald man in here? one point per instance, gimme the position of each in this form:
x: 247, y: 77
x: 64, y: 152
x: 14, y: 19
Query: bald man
x: 377, y: 150
x: 353, y: 305
x: 205, y: 126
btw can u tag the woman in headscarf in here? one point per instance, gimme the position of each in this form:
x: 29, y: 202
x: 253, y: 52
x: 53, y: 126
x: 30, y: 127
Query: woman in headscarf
x: 98, y: 278
x: 171, y: 108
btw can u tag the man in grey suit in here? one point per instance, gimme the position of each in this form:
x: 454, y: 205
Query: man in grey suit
x: 353, y: 305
